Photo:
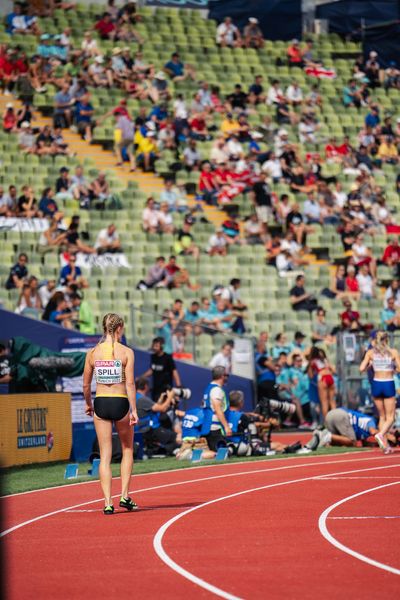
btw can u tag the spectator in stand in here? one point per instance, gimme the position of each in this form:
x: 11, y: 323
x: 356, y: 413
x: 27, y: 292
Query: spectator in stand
x: 256, y: 91
x: 63, y: 104
x: 46, y: 291
x: 165, y: 219
x: 150, y: 218
x: 390, y: 317
x: 321, y: 332
x: 184, y: 243
x: 7, y: 207
x: 63, y: 183
x: 99, y: 190
x: 228, y: 34
x: 123, y: 135
x: 351, y: 94
x: 18, y: 273
x: 27, y: 139
x: 352, y: 286
x: 275, y: 93
x: 294, y: 54
x: 366, y: 284
x: 62, y: 314
x: 71, y: 273
x: 108, y: 240
x: 372, y: 119
x: 231, y: 229
x: 392, y: 291
x: 83, y: 117
x: 208, y: 184
x: 252, y: 34
x: 391, y: 255
x: 362, y: 255
x: 191, y: 156
x: 9, y: 119
x: 47, y: 205
x: 80, y: 187
x: 74, y: 242
x: 177, y: 70
x: 217, y: 244
x: 254, y: 230
x: 22, y: 24
x: 223, y: 358
x: 387, y: 151
x: 157, y: 276
x: 29, y: 302
x: 372, y: 70
x: 392, y: 76
x: 27, y: 203
x: 147, y: 151
x: 172, y: 197
x: 294, y: 94
x: 350, y: 319
x: 89, y: 46
x: 299, y: 298
x: 105, y: 27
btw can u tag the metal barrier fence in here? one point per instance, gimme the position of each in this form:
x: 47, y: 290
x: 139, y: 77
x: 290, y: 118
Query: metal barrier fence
x: 354, y: 387
x: 147, y: 324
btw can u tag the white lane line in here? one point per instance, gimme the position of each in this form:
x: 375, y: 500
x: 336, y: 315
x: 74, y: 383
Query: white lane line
x: 332, y: 540
x: 202, y: 466
x: 158, y: 538
x: 327, y: 478
x: 178, y: 483
x: 361, y: 517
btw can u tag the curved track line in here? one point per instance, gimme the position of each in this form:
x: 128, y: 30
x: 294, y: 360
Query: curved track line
x: 332, y: 540
x: 158, y: 538
x: 166, y: 485
x: 202, y: 466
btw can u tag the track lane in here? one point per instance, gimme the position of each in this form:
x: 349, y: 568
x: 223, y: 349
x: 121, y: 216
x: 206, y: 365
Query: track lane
x: 78, y: 551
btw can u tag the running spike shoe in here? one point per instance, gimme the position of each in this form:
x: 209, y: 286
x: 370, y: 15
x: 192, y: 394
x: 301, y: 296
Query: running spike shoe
x: 381, y: 441
x: 108, y: 510
x: 128, y: 503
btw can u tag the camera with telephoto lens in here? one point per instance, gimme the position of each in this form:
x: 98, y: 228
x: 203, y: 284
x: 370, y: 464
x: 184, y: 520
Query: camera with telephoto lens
x: 274, y: 408
x: 182, y: 393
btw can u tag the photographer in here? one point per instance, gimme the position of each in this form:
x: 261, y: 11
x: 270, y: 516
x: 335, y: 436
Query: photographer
x: 162, y: 368
x: 215, y: 426
x: 192, y: 424
x: 149, y: 414
x: 248, y: 426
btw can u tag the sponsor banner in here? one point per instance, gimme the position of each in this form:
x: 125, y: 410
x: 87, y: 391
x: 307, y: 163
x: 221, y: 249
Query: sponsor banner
x: 35, y: 428
x: 88, y: 261
x: 23, y: 225
x: 179, y: 3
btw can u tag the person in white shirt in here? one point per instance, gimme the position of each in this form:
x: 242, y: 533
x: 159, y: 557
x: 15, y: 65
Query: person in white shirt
x: 108, y: 240
x: 307, y: 129
x: 339, y: 195
x: 165, y: 219
x: 191, y: 156
x: 217, y: 243
x: 223, y: 358
x: 46, y: 291
x: 363, y: 255
x: 234, y: 148
x: 392, y: 291
x: 180, y: 108
x: 312, y: 210
x: 228, y: 34
x: 280, y: 140
x: 204, y: 94
x: 294, y: 94
x: 365, y: 283
x: 219, y: 154
x: 89, y: 45
x: 275, y: 94
x: 273, y: 167
x: 150, y: 217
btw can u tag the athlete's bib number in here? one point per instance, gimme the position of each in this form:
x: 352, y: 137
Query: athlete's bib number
x: 108, y: 371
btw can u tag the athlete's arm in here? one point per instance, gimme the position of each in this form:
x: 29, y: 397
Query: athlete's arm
x: 87, y: 383
x: 130, y: 386
x: 365, y: 362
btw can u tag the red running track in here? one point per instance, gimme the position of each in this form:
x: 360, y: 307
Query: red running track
x: 262, y: 541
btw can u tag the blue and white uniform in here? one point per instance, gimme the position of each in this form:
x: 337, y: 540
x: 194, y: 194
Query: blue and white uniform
x: 192, y: 424
x: 233, y: 417
x: 383, y: 388
x: 361, y: 423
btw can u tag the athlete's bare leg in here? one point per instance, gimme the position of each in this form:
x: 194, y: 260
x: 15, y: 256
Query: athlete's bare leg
x: 104, y: 436
x: 125, y: 433
x: 381, y: 412
x: 389, y: 407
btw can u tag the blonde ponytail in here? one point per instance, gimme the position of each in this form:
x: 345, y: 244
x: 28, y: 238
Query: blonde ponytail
x: 111, y: 322
x: 381, y: 344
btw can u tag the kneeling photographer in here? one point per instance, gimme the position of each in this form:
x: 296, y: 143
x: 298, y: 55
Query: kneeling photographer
x: 149, y: 414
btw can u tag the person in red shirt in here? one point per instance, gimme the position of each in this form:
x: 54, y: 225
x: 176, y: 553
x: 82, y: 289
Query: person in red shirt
x: 8, y: 75
x: 345, y: 147
x: 208, y: 184
x: 106, y: 27
x: 294, y: 54
x: 351, y: 282
x: 350, y: 318
x: 391, y: 255
x: 9, y: 119
x: 199, y: 128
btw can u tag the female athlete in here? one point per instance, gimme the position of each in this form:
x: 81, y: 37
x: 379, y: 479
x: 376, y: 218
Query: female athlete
x: 320, y: 368
x: 115, y: 401
x: 384, y: 361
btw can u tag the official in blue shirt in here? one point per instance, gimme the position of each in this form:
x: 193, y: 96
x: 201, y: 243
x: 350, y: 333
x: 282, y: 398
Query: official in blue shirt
x: 345, y: 427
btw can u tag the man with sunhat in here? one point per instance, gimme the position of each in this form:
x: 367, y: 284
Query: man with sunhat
x: 253, y: 36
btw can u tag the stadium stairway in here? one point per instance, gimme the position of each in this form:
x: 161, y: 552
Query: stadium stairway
x: 149, y: 183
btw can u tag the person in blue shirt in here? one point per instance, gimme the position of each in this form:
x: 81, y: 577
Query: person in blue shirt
x: 281, y: 345
x: 298, y: 344
x: 351, y: 94
x: 390, y: 320
x: 300, y: 387
x: 372, y: 119
x: 265, y: 372
x: 47, y: 205
x: 192, y: 423
x: 61, y: 315
x: 346, y: 427
x: 177, y: 70
x: 83, y: 117
x: 71, y: 273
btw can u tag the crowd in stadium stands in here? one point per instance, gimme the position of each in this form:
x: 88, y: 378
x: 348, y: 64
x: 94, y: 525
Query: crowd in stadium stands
x: 243, y: 159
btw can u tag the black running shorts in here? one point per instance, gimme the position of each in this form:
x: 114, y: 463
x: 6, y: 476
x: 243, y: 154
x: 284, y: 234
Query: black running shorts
x: 111, y: 408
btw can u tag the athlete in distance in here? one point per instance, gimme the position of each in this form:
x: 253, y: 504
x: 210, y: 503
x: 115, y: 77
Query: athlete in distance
x: 384, y: 361
x: 112, y: 364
